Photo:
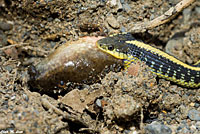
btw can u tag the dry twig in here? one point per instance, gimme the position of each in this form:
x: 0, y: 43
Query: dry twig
x: 14, y: 45
x: 166, y: 17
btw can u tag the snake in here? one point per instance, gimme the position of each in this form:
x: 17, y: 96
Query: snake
x: 125, y: 47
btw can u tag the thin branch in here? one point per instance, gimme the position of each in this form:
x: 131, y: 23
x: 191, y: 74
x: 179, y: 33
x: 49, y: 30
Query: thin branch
x: 13, y: 45
x: 166, y: 17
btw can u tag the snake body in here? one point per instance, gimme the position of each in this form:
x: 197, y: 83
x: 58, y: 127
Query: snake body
x: 124, y: 46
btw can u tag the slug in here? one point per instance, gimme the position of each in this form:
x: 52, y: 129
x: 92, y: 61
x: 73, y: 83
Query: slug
x: 75, y: 62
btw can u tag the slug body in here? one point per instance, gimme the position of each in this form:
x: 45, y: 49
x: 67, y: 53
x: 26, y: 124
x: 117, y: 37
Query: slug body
x: 124, y: 46
x: 78, y: 62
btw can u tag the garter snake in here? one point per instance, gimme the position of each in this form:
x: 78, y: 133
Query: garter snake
x: 124, y: 46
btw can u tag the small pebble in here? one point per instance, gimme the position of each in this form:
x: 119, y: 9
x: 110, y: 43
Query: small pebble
x: 11, y: 52
x: 123, y: 29
x: 12, y: 122
x: 197, y: 9
x: 7, y: 96
x: 121, y: 18
x: 5, y: 26
x: 196, y: 105
x: 127, y: 8
x: 3, y: 39
x: 183, y: 129
x: 176, y: 44
x: 26, y: 98
x: 122, y: 1
x: 112, y: 21
x: 113, y: 2
x: 152, y: 17
x: 19, y: 116
x: 186, y: 14
x: 157, y: 128
x: 117, y: 4
x: 198, y: 125
x: 194, y: 115
x: 9, y: 68
x: 13, y: 98
x: 98, y: 103
x: 5, y: 105
x: 36, y: 111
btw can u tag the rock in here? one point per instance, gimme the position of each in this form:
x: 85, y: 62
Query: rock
x: 83, y: 99
x: 187, y: 14
x: 112, y: 21
x: 175, y: 47
x: 183, y: 128
x: 127, y: 8
x: 11, y: 52
x: 174, y: 44
x: 3, y: 39
x: 116, y: 3
x: 5, y: 26
x: 123, y: 109
x: 170, y: 101
x: 198, y: 125
x: 157, y: 128
x: 113, y: 2
x: 197, y: 9
x: 194, y: 115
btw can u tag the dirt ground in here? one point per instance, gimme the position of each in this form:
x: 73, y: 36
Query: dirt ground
x: 119, y: 102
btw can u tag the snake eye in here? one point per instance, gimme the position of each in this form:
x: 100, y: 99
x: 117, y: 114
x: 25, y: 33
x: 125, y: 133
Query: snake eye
x: 100, y: 44
x: 110, y: 47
